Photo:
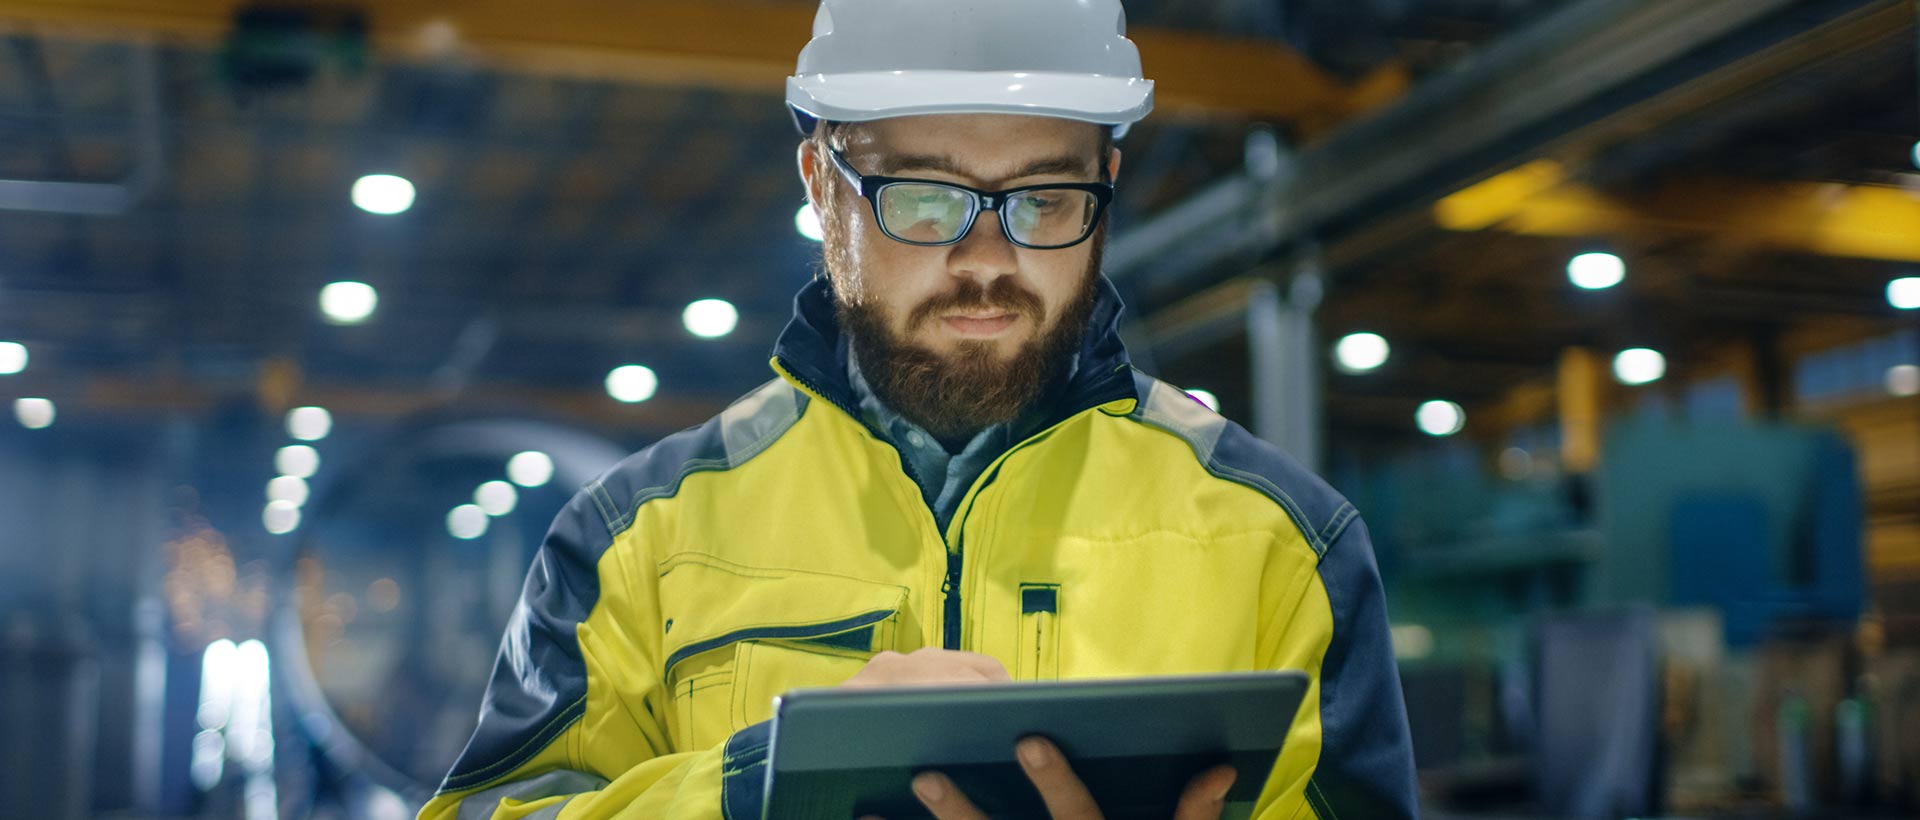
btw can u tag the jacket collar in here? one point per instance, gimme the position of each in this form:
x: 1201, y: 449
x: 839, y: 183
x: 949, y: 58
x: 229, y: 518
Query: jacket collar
x: 812, y: 352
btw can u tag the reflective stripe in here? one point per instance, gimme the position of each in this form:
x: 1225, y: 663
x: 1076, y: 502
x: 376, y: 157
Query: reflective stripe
x: 752, y: 424
x: 481, y: 804
x: 1168, y: 408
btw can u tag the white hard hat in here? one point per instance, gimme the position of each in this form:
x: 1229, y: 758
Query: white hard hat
x: 872, y: 59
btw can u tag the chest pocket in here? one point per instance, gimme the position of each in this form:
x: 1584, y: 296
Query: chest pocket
x: 736, y: 637
x: 1161, y: 603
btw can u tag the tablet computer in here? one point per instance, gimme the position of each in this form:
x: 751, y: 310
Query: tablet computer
x: 1136, y: 742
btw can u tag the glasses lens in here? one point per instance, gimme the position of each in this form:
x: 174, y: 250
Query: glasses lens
x: 1050, y: 217
x: 916, y: 212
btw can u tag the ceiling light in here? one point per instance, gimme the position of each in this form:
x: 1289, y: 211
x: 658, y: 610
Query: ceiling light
x: 530, y: 469
x: 495, y: 498
x: 280, y: 517
x: 1904, y: 293
x: 1440, y: 418
x: 710, y: 318
x: 1596, y: 271
x: 348, y: 303
x: 467, y: 522
x: 1360, y: 352
x: 632, y: 383
x: 291, y: 489
x: 382, y: 194
x: 309, y: 423
x: 1515, y: 463
x: 1904, y: 380
x: 34, y: 414
x: 1207, y: 398
x: 297, y: 460
x: 13, y: 358
x: 1639, y: 366
x: 807, y: 221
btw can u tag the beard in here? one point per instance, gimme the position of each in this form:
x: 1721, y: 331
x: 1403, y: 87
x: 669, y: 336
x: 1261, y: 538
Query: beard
x: 955, y: 395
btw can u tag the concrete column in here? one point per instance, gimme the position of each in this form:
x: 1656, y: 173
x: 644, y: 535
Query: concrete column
x: 1284, y: 354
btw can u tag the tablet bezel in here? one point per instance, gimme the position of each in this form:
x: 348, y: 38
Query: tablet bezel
x: 1243, y: 717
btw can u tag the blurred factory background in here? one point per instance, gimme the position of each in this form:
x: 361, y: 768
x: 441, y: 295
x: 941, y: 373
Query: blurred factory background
x: 1606, y: 313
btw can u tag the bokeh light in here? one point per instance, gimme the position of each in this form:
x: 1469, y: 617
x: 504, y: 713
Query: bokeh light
x: 309, y: 423
x: 1904, y: 380
x: 34, y: 413
x: 496, y: 498
x: 632, y: 383
x: 291, y: 489
x: 13, y: 358
x: 1639, y: 366
x: 710, y: 318
x: 1361, y: 352
x: 807, y: 222
x: 348, y: 303
x: 530, y: 469
x: 298, y: 460
x: 1440, y: 418
x: 384, y: 194
x: 1596, y: 271
x: 467, y: 522
x: 281, y: 517
x: 1904, y: 293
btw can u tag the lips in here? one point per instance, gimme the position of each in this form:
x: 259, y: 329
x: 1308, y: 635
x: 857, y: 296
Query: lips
x: 980, y: 324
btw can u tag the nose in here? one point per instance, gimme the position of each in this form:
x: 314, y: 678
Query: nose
x: 984, y: 254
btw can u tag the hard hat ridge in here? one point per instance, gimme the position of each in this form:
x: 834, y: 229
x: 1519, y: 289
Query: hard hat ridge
x: 873, y: 59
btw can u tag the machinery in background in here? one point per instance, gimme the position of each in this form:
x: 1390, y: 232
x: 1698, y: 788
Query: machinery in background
x: 1728, y: 558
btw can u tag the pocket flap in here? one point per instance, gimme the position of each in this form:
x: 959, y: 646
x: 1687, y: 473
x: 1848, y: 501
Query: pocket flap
x: 707, y: 603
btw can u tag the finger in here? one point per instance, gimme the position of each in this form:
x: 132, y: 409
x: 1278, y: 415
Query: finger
x: 988, y: 667
x: 1066, y: 797
x: 940, y: 796
x: 1206, y: 794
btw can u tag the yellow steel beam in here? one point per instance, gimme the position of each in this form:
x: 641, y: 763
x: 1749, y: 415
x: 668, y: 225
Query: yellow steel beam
x: 737, y: 44
x: 1831, y: 219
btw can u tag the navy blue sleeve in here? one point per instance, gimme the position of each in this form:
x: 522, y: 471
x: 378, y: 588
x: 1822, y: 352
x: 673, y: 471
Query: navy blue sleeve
x: 743, y: 773
x: 1366, y: 751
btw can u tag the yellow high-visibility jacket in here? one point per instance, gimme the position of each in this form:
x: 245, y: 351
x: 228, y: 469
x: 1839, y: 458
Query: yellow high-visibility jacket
x: 783, y: 543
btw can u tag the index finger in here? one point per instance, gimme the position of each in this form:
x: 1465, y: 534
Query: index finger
x: 1206, y: 794
x: 988, y: 667
x: 1066, y: 797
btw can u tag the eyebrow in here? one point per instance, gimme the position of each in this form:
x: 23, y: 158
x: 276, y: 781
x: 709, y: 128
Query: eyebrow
x: 897, y: 163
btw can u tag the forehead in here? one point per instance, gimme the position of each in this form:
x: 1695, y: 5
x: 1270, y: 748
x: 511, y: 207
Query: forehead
x: 986, y: 146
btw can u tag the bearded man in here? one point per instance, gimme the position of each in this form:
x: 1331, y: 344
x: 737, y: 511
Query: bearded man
x: 956, y: 477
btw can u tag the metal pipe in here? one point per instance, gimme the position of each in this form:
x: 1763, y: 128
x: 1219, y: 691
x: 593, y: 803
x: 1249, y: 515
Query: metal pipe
x: 1509, y: 98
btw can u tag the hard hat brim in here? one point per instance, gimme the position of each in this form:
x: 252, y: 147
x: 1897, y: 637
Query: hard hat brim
x: 873, y: 95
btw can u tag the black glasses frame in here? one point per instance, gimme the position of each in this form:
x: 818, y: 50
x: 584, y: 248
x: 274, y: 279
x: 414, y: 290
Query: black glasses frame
x: 871, y: 186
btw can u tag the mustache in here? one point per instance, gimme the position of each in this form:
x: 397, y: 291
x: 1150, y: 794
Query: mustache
x: 970, y: 297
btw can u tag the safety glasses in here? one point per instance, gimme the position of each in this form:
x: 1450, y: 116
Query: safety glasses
x: 923, y: 212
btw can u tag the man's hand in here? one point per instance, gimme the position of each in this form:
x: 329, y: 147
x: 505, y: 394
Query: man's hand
x: 928, y: 666
x: 1066, y: 797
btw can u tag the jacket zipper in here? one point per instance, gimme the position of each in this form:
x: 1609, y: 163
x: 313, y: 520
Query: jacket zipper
x: 955, y: 535
x: 951, y: 590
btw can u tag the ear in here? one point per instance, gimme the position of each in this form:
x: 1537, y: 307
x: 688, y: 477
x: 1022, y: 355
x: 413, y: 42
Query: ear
x: 809, y: 159
x: 1113, y: 165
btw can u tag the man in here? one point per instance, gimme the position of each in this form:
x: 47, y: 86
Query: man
x: 956, y: 477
